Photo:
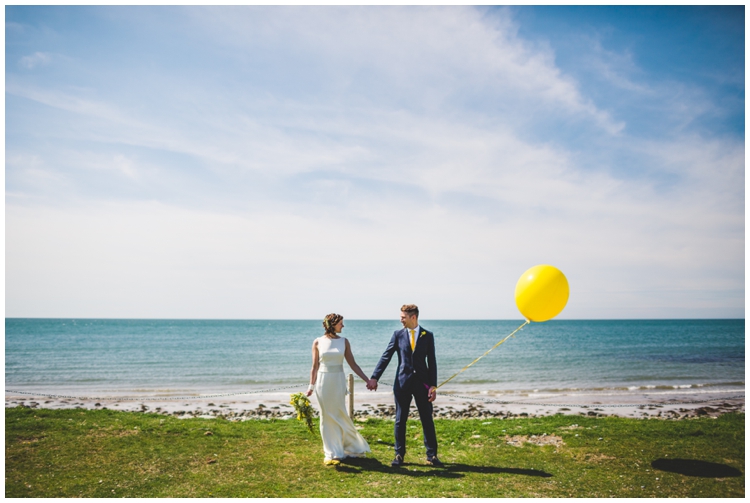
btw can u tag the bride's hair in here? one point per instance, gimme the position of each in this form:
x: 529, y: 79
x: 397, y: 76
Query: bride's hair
x: 330, y: 321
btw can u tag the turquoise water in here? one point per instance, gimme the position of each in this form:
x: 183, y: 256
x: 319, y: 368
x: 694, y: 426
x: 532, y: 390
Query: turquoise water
x: 56, y: 355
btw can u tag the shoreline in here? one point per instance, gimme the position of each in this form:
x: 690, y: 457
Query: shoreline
x: 451, y: 404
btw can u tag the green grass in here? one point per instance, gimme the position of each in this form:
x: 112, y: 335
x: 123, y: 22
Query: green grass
x: 100, y: 453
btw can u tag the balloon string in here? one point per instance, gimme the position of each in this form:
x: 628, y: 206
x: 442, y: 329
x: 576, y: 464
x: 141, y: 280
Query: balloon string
x: 486, y: 353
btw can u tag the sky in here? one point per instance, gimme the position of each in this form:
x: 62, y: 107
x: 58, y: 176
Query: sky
x: 288, y: 162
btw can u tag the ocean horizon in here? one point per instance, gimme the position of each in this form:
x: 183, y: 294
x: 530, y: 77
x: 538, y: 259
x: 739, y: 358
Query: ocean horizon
x: 87, y: 356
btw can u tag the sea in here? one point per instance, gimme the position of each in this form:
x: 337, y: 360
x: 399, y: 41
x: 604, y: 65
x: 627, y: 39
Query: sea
x: 158, y: 357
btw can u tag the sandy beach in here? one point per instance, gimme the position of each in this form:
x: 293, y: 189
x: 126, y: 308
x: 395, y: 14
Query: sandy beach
x: 451, y: 404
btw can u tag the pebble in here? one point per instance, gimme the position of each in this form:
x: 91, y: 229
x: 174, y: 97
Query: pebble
x: 385, y: 411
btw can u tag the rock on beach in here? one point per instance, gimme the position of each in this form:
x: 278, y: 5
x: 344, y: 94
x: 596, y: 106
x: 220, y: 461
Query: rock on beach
x: 276, y: 406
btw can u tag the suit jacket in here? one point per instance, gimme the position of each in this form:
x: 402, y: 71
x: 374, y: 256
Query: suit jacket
x: 420, y: 364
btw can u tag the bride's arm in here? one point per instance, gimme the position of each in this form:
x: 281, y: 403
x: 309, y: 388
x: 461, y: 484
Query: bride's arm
x: 315, y: 365
x: 350, y: 360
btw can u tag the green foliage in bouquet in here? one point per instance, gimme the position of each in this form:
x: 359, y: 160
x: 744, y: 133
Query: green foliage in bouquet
x: 304, y: 409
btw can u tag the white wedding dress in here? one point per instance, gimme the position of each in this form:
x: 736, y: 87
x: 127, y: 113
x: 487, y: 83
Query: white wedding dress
x: 340, y: 437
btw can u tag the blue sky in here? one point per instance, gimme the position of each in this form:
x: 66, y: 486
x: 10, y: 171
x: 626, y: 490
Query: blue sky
x: 288, y: 162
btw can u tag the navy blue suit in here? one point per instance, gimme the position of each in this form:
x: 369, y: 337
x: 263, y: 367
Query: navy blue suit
x: 417, y: 371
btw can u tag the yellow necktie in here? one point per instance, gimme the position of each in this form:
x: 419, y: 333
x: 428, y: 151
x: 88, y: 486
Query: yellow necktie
x: 412, y: 339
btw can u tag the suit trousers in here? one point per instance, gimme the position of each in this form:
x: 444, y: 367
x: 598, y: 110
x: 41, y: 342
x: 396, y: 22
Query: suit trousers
x: 403, y: 395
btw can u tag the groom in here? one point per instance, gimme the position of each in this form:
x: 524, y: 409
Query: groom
x: 416, y: 377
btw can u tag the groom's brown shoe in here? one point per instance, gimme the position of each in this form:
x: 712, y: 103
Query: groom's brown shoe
x: 434, y: 461
x: 397, y: 461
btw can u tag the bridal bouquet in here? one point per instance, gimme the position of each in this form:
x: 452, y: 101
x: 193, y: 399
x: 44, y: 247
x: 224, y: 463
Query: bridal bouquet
x: 304, y: 409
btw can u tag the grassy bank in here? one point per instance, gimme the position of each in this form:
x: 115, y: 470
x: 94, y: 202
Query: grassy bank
x: 100, y: 453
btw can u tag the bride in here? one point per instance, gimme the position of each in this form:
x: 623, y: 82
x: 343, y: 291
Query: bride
x: 340, y: 438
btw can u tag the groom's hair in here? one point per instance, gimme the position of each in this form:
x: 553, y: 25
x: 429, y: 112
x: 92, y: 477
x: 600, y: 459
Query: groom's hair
x: 410, y: 309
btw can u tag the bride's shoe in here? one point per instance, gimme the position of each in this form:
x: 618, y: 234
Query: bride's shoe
x: 331, y: 462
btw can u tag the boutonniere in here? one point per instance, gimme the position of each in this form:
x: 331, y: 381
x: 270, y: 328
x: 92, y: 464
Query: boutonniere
x: 423, y: 333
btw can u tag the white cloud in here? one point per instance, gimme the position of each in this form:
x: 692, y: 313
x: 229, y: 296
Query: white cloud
x: 34, y: 60
x: 415, y: 51
x: 424, y: 56
x: 627, y: 248
x: 403, y: 156
x: 68, y: 101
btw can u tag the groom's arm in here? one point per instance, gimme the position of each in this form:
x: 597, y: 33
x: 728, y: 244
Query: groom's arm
x: 432, y: 368
x: 386, y: 358
x: 432, y: 362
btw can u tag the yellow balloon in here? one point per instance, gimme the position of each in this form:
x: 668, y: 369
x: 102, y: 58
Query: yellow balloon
x: 541, y: 293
